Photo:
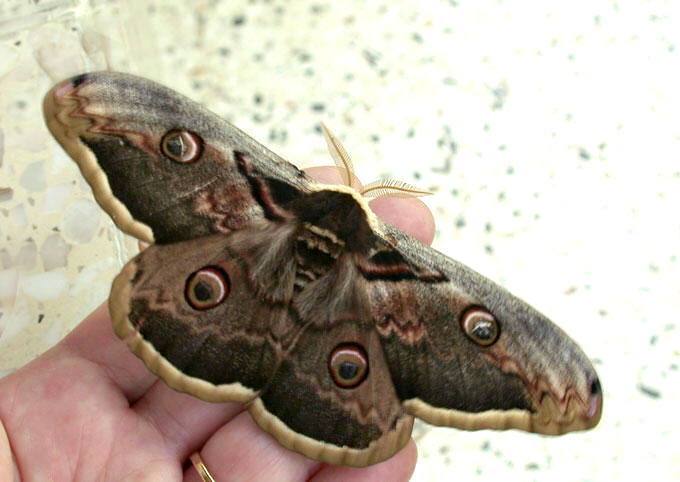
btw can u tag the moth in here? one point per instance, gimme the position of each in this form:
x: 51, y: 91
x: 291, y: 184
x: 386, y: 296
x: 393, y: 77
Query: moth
x: 264, y: 287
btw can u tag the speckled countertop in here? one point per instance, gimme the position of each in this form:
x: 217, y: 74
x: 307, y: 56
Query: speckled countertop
x: 549, y: 131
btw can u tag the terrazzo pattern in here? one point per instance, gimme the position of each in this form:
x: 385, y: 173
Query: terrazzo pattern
x: 548, y: 131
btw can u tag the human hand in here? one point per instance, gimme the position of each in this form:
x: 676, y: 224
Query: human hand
x: 88, y: 409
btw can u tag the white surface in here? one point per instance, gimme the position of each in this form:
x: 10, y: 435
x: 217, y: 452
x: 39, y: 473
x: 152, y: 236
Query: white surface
x: 549, y: 129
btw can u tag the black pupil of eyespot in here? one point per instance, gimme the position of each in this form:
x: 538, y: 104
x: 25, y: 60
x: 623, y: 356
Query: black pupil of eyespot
x: 203, y: 291
x: 175, y: 145
x: 348, y: 370
x: 483, y: 330
x: 595, y: 387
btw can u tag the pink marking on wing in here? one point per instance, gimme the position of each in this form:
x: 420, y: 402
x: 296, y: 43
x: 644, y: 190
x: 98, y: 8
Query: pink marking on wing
x: 410, y: 332
x: 64, y: 88
x: 595, y: 405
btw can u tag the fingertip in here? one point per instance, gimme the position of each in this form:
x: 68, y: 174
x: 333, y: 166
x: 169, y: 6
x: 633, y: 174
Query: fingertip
x: 411, y: 215
x: 410, y: 456
x: 331, y: 175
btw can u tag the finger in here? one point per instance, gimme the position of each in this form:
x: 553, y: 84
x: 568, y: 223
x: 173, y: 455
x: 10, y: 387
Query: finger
x: 397, y: 468
x: 184, y: 421
x: 410, y: 215
x: 242, y: 451
x: 8, y: 469
x: 227, y: 457
x: 330, y: 175
x: 94, y: 340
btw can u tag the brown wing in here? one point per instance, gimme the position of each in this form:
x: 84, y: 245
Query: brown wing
x: 464, y: 352
x: 191, y: 312
x: 165, y: 168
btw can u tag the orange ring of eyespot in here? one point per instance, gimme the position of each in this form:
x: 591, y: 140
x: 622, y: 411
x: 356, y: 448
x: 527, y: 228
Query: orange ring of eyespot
x: 352, y: 354
x: 470, y: 322
x: 217, y: 282
x: 191, y: 146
